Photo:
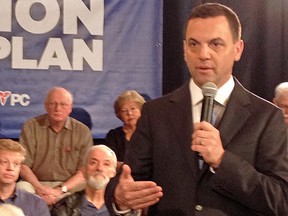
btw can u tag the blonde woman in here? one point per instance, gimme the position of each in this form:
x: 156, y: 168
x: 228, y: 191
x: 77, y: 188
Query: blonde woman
x: 127, y: 107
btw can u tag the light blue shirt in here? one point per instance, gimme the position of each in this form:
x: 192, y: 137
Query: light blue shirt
x: 31, y: 204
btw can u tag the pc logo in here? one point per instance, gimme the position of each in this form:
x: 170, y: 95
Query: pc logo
x: 4, y: 95
x: 8, y: 98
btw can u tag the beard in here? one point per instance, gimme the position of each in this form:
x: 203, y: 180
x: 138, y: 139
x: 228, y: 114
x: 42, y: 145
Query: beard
x: 98, y: 181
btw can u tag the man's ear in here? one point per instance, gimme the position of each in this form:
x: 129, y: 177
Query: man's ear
x: 239, y: 50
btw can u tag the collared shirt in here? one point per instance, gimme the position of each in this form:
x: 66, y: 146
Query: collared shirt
x: 31, y: 204
x: 222, y: 96
x: 88, y: 209
x: 55, y: 156
x: 76, y: 205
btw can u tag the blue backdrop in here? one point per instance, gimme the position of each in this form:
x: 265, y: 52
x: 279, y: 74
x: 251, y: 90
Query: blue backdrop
x: 96, y: 49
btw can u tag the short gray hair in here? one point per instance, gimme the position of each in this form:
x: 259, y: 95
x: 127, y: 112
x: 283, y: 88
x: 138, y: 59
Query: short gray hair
x: 131, y: 95
x: 104, y: 148
x: 281, y: 88
x: 58, y: 88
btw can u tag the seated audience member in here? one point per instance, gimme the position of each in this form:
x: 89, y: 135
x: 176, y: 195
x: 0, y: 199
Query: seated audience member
x: 7, y: 209
x: 56, y: 144
x: 281, y: 99
x: 100, y: 167
x: 12, y: 154
x: 127, y: 107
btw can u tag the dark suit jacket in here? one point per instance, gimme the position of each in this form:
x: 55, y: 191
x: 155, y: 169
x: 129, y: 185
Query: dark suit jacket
x: 252, y: 178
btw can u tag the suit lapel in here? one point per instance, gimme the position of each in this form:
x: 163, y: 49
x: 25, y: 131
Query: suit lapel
x: 183, y: 125
x: 236, y: 113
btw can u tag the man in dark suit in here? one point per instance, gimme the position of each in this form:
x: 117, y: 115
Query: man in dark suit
x: 245, y: 170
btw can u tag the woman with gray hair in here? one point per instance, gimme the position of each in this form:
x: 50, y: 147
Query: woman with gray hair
x: 127, y: 107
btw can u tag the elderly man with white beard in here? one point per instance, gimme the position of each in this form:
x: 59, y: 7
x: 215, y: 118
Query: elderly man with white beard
x: 100, y: 167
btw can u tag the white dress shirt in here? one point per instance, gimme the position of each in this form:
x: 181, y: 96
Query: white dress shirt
x: 222, y: 96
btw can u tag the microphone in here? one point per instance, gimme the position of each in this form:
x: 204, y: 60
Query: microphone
x: 209, y: 91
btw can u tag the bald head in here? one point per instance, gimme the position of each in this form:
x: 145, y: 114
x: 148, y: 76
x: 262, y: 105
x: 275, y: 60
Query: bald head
x: 58, y: 105
x: 59, y: 91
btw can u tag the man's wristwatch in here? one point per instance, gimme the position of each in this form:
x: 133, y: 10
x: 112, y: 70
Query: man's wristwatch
x: 64, y: 189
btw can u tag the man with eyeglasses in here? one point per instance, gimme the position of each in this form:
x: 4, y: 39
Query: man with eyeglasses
x: 12, y: 154
x: 56, y: 144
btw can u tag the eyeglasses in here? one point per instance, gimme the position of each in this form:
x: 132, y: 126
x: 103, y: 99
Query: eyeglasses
x: 132, y: 110
x: 55, y: 104
x: 6, y: 163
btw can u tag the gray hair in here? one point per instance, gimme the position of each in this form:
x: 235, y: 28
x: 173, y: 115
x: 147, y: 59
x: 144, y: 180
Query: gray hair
x: 104, y: 148
x: 58, y: 88
x: 131, y: 95
x: 281, y: 88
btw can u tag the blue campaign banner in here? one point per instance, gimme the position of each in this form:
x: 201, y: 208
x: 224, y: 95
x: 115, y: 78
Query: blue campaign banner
x: 94, y: 48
